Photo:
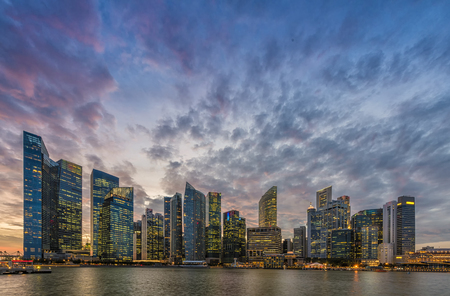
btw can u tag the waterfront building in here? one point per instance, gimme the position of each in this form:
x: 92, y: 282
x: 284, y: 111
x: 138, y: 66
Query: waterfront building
x: 137, y: 240
x: 176, y: 229
x: 262, y: 241
x: 299, y: 242
x: 155, y: 235
x: 323, y: 197
x: 274, y: 261
x: 101, y: 184
x: 167, y: 227
x: 52, y: 201
x: 386, y: 253
x: 341, y: 243
x: 213, y: 227
x: 144, y: 237
x: 334, y: 217
x: 194, y: 224
x: 390, y: 223
x: 116, y: 225
x: 268, y: 208
x: 314, y: 225
x: 287, y: 245
x: 234, y: 243
x: 346, y: 200
x: 367, y: 228
x: 406, y: 225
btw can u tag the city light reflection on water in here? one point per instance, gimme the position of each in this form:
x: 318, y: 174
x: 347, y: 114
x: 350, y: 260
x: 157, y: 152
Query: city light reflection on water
x: 177, y: 281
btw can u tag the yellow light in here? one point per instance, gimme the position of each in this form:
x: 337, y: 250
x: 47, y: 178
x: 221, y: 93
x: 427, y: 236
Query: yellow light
x: 398, y: 257
x: 399, y: 204
x: 409, y: 202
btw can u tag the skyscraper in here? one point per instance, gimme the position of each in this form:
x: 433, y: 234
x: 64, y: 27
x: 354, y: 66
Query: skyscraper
x: 367, y: 228
x: 137, y: 240
x: 167, y: 227
x: 299, y: 242
x: 334, y: 217
x: 155, y: 235
x: 234, y: 231
x: 52, y: 200
x: 101, y: 184
x: 176, y: 229
x: 116, y: 225
x: 194, y: 223
x: 268, y: 208
x: 406, y: 225
x: 323, y: 197
x: 213, y: 227
x: 314, y: 225
x: 341, y: 243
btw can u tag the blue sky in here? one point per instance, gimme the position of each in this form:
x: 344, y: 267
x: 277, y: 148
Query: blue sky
x: 233, y: 96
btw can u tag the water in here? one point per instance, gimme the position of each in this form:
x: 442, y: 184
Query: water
x: 177, y: 281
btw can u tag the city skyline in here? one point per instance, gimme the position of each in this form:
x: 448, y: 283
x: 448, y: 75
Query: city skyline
x: 232, y: 98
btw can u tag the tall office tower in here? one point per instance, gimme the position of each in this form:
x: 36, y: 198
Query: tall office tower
x: 69, y: 205
x: 390, y: 226
x: 287, y: 245
x: 101, y: 184
x: 341, y: 244
x: 52, y: 200
x: 167, y: 227
x: 116, y: 225
x: 213, y: 227
x: 268, y: 208
x: 262, y: 241
x: 406, y: 225
x: 155, y: 235
x: 346, y: 200
x: 194, y: 223
x: 314, y: 226
x: 234, y: 244
x: 137, y: 240
x: 299, y: 242
x: 176, y: 229
x: 144, y: 237
x: 367, y: 228
x: 323, y: 197
x: 334, y: 217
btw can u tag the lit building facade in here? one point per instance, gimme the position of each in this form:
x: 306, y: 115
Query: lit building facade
x: 176, y: 229
x: 406, y: 225
x: 234, y: 243
x: 334, y: 217
x: 262, y: 241
x: 155, y: 235
x: 52, y: 201
x: 367, y: 228
x: 213, y: 227
x: 268, y: 208
x: 194, y: 224
x: 341, y: 244
x: 299, y: 242
x: 101, y: 184
x: 137, y: 240
x: 323, y: 197
x: 167, y: 227
x: 287, y: 245
x: 116, y: 225
x: 314, y: 226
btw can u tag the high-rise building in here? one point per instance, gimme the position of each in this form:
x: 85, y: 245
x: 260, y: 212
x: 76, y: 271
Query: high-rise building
x: 213, y: 227
x: 299, y: 242
x: 262, y: 241
x: 314, y: 225
x: 101, y: 184
x: 167, y: 227
x: 137, y: 240
x: 268, y: 208
x: 176, y: 229
x: 346, y: 200
x: 144, y: 237
x: 341, y: 243
x: 52, y: 201
x: 390, y: 223
x: 234, y: 231
x: 406, y: 225
x: 116, y: 225
x: 155, y: 235
x: 334, y: 217
x: 367, y: 228
x: 194, y: 223
x: 287, y: 245
x: 323, y: 197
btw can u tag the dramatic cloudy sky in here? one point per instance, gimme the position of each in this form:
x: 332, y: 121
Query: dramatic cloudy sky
x: 235, y: 97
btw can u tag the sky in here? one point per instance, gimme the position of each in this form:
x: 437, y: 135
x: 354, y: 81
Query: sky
x: 234, y: 97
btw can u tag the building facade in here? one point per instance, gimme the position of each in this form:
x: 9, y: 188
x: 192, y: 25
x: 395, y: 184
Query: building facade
x: 268, y: 208
x: 406, y: 225
x: 137, y: 240
x: 155, y: 235
x: 116, y: 225
x: 341, y: 244
x: 234, y: 242
x: 167, y: 227
x: 299, y: 242
x: 323, y: 197
x: 213, y: 229
x: 194, y: 224
x: 101, y: 184
x: 262, y: 241
x: 367, y: 228
x: 314, y: 225
x: 176, y: 229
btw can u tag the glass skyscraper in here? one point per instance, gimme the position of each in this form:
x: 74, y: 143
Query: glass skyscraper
x: 341, y: 243
x: 116, y: 225
x: 194, y: 223
x: 137, y: 240
x: 101, y: 184
x: 155, y: 236
x: 323, y: 197
x: 213, y: 228
x: 176, y: 229
x: 299, y: 241
x: 167, y: 227
x: 52, y: 201
x: 367, y: 228
x: 314, y: 227
x: 268, y: 208
x: 234, y: 243
x: 406, y: 225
